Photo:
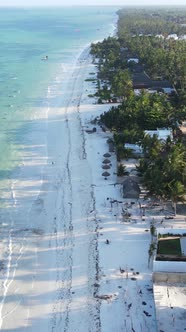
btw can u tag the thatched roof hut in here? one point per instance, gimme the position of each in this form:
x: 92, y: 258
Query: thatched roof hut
x: 106, y: 161
x: 105, y: 173
x: 131, y: 188
x: 106, y: 166
x: 107, y: 155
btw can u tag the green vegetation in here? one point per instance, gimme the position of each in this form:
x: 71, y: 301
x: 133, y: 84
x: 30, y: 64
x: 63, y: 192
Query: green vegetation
x: 128, y: 135
x: 124, y: 153
x: 152, y: 230
x: 163, y: 168
x: 151, y: 21
x: 151, y: 250
x: 159, y: 59
x: 160, y: 236
x: 121, y: 170
x: 122, y: 84
x: 146, y: 111
x: 145, y: 34
x: 169, y: 247
x: 90, y: 80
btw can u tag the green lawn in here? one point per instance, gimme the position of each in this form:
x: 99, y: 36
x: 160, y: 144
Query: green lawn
x: 169, y: 247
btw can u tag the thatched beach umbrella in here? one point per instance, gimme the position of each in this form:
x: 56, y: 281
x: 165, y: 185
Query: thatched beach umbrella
x: 105, y: 173
x: 106, y: 161
x: 107, y: 155
x: 106, y: 166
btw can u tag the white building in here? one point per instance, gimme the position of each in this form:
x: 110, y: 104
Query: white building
x: 135, y: 60
x: 134, y: 147
x: 162, y: 134
x: 174, y: 36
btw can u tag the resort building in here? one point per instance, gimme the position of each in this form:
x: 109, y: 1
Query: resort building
x: 162, y: 134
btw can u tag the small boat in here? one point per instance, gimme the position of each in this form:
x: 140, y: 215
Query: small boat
x: 45, y: 58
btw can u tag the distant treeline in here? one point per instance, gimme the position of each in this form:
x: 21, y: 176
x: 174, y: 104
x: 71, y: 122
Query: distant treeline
x: 145, y: 34
x: 152, y: 21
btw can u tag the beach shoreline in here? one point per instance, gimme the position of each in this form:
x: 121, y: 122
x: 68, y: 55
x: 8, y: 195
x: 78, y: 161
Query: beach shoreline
x: 29, y: 205
x: 58, y: 272
x: 59, y: 267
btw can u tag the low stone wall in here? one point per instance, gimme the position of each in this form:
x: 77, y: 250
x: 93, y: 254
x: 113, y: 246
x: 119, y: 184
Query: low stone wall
x: 169, y: 266
x: 169, y: 277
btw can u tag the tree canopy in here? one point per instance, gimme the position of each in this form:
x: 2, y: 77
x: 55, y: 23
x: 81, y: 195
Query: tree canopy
x: 155, y: 38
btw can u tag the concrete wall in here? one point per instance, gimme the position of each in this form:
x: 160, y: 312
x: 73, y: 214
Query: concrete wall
x: 169, y: 277
x: 165, y: 266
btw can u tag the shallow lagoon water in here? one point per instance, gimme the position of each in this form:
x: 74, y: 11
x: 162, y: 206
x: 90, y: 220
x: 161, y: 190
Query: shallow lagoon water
x: 26, y: 80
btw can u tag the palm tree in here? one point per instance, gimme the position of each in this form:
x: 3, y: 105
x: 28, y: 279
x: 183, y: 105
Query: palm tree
x: 176, y: 192
x: 121, y: 171
x: 122, y: 84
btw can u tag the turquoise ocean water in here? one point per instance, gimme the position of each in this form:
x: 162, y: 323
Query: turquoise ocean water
x: 26, y: 36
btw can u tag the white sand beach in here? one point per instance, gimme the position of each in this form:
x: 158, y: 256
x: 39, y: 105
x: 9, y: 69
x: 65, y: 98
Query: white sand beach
x: 57, y: 272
